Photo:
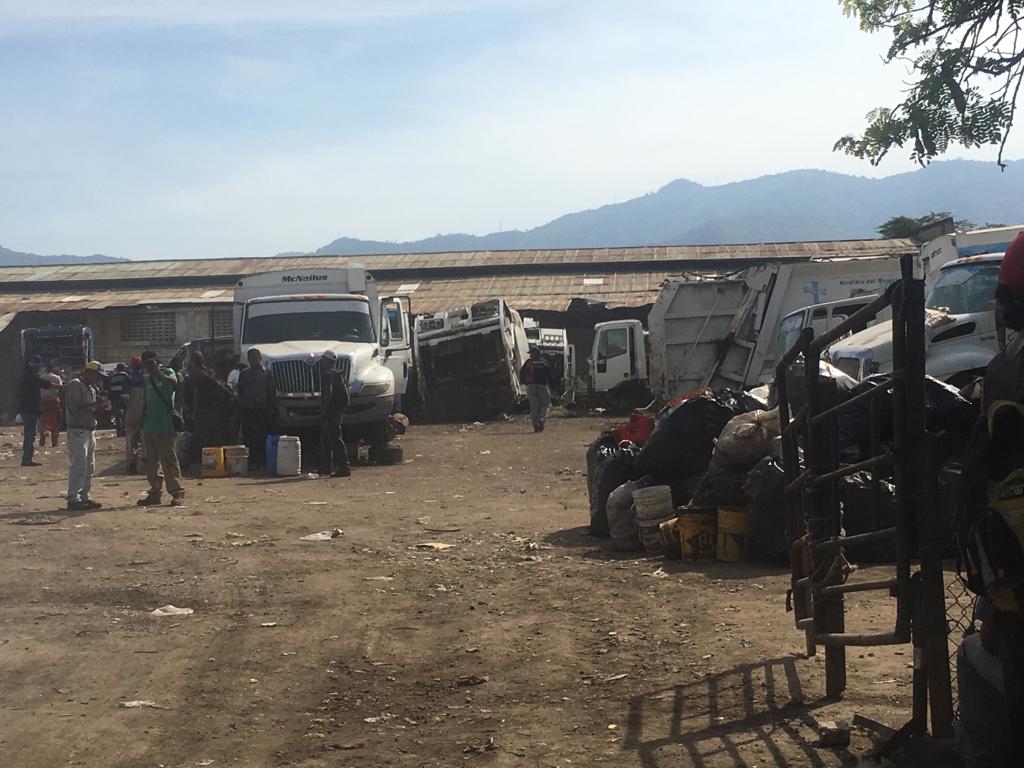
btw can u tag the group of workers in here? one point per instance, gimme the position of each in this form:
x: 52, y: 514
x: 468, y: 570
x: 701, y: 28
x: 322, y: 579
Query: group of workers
x: 144, y: 399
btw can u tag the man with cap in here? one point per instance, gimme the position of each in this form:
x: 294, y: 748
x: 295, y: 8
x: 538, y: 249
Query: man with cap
x: 993, y: 452
x: 30, y: 388
x: 536, y: 376
x: 334, y: 399
x: 82, y: 403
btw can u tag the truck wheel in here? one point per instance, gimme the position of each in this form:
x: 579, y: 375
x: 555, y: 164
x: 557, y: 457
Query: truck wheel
x: 386, y: 454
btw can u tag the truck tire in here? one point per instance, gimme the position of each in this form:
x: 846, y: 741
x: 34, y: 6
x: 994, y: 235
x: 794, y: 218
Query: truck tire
x: 386, y: 454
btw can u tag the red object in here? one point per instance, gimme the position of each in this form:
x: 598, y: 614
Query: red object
x: 137, y: 360
x: 636, y: 430
x: 1011, y: 273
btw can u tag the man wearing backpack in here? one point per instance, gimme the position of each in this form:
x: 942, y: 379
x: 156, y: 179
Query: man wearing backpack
x: 536, y: 376
x: 161, y: 391
x: 990, y: 502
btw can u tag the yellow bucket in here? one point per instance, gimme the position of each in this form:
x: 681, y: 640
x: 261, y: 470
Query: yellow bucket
x: 698, y: 528
x: 734, y: 529
x: 213, y: 463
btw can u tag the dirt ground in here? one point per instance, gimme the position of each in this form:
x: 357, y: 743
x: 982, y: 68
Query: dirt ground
x: 526, y: 643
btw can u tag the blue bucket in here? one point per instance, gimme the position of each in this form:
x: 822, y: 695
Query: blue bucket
x: 272, y: 454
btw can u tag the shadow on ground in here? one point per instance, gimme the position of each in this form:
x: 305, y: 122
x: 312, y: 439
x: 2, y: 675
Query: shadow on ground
x: 752, y: 714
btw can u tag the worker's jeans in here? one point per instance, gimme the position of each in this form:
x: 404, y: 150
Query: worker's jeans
x: 540, y: 400
x: 82, y: 458
x: 160, y: 454
x: 133, y: 426
x: 28, y: 445
x: 333, y: 456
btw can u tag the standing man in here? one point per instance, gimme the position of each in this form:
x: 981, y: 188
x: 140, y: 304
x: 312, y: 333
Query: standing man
x: 256, y: 404
x: 82, y: 402
x: 334, y: 399
x: 30, y: 388
x: 536, y: 376
x: 133, y: 413
x: 119, y: 380
x: 161, y: 391
x: 990, y: 498
x: 50, y: 405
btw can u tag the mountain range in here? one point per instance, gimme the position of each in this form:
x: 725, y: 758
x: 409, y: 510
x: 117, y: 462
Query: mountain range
x: 9, y: 258
x: 790, y: 206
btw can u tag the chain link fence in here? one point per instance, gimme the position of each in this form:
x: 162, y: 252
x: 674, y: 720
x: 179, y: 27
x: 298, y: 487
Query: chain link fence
x: 959, y: 621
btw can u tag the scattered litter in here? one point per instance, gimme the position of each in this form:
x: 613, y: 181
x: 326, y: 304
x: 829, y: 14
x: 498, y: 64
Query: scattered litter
x: 253, y: 681
x: 472, y: 649
x: 34, y: 520
x: 269, y: 624
x: 612, y: 726
x: 390, y: 493
x: 442, y: 530
x: 311, y: 476
x: 613, y: 678
x: 707, y: 656
x: 834, y: 733
x: 381, y: 718
x: 171, y: 610
x: 434, y: 546
x: 658, y: 574
x: 378, y: 578
x: 141, y: 704
x: 323, y: 535
x: 477, y: 749
x: 485, y: 453
x: 233, y: 535
x: 467, y: 681
x: 317, y: 503
x: 204, y: 763
x: 193, y: 535
x: 423, y: 520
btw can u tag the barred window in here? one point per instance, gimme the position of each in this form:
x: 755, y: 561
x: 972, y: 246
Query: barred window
x: 152, y: 328
x: 222, y: 322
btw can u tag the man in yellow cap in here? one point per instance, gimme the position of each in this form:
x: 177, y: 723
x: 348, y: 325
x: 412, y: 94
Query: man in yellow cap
x: 82, y: 402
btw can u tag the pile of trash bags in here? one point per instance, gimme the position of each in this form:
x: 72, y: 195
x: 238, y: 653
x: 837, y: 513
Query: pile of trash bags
x: 723, y: 449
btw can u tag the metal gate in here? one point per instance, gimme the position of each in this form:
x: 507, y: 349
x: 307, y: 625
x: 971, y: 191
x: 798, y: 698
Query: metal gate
x: 821, y: 574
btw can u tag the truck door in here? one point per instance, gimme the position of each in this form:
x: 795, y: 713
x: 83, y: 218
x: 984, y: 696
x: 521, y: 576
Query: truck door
x: 614, y: 362
x: 395, y: 330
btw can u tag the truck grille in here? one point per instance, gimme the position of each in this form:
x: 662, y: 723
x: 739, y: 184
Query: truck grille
x: 848, y: 365
x: 301, y: 377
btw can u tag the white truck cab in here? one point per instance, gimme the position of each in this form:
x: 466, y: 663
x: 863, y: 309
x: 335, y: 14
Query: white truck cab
x: 960, y: 326
x: 819, y: 317
x: 619, y: 356
x: 293, y: 316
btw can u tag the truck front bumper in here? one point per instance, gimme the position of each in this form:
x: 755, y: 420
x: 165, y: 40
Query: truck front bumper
x: 304, y: 413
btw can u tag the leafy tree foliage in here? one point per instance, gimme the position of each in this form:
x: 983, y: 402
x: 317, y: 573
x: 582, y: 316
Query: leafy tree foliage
x: 909, y: 226
x: 966, y: 60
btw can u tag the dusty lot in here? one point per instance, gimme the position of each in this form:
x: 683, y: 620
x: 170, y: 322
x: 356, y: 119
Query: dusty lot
x: 524, y: 643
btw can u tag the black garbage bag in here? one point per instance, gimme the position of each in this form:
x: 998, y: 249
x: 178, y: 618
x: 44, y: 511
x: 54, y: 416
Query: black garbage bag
x: 615, y: 466
x: 765, y: 488
x: 605, y: 441
x: 857, y: 494
x: 682, y: 490
x: 946, y: 411
x: 796, y: 385
x: 742, y: 401
x: 721, y: 487
x: 683, y: 440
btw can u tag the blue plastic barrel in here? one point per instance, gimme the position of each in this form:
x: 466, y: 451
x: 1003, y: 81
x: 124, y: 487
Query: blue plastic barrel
x: 272, y: 454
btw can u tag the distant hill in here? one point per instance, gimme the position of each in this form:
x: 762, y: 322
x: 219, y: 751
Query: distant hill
x: 9, y: 258
x: 796, y: 205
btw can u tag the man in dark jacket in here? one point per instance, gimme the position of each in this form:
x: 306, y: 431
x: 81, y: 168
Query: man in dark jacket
x: 334, y: 399
x: 256, y: 394
x: 30, y: 388
x: 536, y: 377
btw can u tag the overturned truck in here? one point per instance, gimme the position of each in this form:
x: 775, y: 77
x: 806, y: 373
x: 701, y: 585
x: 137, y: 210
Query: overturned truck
x: 468, y: 361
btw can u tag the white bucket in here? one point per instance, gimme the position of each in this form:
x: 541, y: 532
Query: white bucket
x: 654, y: 503
x: 289, y: 456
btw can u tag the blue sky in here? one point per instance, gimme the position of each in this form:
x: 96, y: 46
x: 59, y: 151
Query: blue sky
x: 248, y: 127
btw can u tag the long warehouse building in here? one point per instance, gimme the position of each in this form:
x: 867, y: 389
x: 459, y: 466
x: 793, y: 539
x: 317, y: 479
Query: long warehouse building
x: 135, y: 305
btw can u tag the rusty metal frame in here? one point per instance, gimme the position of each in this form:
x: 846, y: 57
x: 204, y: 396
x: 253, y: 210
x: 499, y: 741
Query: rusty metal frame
x: 820, y: 573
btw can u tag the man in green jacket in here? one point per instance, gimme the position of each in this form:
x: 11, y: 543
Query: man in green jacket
x: 162, y: 391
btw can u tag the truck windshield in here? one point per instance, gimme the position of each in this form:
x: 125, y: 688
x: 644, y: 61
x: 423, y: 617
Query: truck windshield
x: 272, y: 322
x: 789, y: 331
x: 965, y: 289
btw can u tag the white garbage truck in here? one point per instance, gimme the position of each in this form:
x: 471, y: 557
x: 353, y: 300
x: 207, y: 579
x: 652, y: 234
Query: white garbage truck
x: 960, y: 327
x: 293, y: 316
x: 722, y: 331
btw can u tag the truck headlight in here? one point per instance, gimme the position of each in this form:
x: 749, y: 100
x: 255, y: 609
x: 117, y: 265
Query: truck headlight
x: 375, y: 389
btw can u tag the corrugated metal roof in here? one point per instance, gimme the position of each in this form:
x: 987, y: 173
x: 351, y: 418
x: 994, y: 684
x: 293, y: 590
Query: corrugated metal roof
x: 552, y: 292
x: 479, y: 260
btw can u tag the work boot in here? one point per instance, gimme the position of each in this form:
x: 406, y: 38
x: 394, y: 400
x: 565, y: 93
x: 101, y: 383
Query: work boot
x: 31, y: 464
x: 178, y: 501
x: 78, y: 506
x: 540, y: 427
x: 342, y: 472
x: 149, y: 500
x: 90, y: 503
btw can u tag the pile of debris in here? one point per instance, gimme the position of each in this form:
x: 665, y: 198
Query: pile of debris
x: 704, y: 478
